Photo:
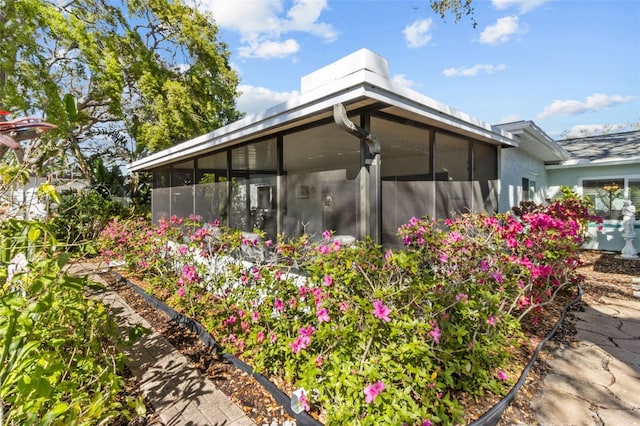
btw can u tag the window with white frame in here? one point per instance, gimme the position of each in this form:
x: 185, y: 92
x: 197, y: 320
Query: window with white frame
x: 608, y: 195
x: 528, y: 189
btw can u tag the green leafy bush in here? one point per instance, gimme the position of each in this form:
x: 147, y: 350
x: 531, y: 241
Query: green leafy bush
x: 81, y: 216
x: 370, y: 338
x: 59, y: 361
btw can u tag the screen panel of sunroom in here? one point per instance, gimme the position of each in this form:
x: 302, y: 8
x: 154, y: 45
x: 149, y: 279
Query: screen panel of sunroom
x: 322, y: 166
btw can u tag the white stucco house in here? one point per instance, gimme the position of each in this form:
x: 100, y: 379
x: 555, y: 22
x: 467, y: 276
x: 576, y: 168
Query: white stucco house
x: 356, y: 153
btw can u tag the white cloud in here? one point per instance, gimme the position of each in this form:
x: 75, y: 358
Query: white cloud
x: 269, y: 49
x: 595, y: 102
x: 402, y: 80
x: 523, y: 6
x: 262, y: 23
x: 474, y: 70
x: 257, y: 99
x: 417, y: 34
x: 303, y: 16
x: 501, y: 31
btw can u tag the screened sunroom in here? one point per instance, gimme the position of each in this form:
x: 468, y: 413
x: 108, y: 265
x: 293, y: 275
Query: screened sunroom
x: 355, y: 153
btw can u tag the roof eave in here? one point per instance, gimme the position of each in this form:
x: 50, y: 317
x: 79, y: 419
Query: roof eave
x: 357, y: 85
x: 595, y: 163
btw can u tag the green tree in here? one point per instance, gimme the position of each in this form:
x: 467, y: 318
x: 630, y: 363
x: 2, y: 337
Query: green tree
x: 458, y: 8
x: 151, y: 72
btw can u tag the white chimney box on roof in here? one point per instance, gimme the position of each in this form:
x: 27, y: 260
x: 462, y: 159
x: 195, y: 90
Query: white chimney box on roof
x: 363, y: 59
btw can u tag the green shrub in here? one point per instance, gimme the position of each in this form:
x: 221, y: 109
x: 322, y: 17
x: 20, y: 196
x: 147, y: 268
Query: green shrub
x: 371, y: 338
x: 80, y: 217
x: 58, y: 350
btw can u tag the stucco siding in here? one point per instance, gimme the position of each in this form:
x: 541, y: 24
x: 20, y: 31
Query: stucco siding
x: 516, y: 164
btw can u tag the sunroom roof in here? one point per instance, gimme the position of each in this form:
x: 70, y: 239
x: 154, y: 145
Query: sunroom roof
x: 359, y: 80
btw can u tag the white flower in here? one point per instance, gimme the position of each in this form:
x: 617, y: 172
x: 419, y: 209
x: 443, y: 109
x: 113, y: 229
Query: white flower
x: 17, y: 265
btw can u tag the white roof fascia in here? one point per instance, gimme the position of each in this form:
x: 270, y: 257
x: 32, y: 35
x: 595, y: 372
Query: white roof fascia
x: 555, y: 147
x: 291, y: 110
x: 595, y: 163
x: 537, y: 134
x: 391, y: 93
x: 350, y: 87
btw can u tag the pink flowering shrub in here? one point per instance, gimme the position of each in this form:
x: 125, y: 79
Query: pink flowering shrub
x: 375, y: 337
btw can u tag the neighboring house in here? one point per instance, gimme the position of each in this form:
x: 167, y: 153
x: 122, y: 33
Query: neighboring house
x: 606, y: 169
x: 355, y: 153
x: 23, y: 202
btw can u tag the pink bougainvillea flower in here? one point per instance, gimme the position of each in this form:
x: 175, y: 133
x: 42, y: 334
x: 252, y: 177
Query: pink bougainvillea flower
x: 304, y: 402
x: 326, y: 234
x: 181, y: 291
x: 278, y: 304
x: 491, y: 321
x: 484, y: 265
x: 297, y: 345
x: 388, y: 255
x: 343, y: 307
x: 190, y: 273
x: 260, y: 336
x: 427, y: 423
x: 319, y: 361
x: 381, y: 311
x: 299, y: 401
x: 323, y: 315
x: 435, y: 333
x: 306, y: 331
x: 498, y: 277
x: 328, y: 280
x: 324, y: 249
x: 501, y: 375
x: 372, y: 391
x: 273, y: 337
x: 461, y: 296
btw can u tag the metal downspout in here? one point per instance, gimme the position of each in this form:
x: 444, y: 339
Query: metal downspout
x: 370, y: 194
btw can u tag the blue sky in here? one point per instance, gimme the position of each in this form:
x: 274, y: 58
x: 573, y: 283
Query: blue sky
x: 567, y: 65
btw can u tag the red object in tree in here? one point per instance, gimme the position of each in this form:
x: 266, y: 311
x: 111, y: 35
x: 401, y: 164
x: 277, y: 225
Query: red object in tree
x: 3, y: 112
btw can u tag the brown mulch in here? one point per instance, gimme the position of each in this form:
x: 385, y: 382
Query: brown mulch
x: 257, y: 403
x: 604, y: 275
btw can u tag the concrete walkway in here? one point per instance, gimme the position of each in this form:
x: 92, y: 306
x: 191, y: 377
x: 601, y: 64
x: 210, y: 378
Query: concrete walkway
x: 179, y: 393
x: 596, y: 379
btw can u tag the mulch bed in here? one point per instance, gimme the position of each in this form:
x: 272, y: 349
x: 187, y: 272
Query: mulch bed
x: 604, y: 275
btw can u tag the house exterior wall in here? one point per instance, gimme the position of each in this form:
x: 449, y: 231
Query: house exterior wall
x: 515, y: 165
x: 609, y: 235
